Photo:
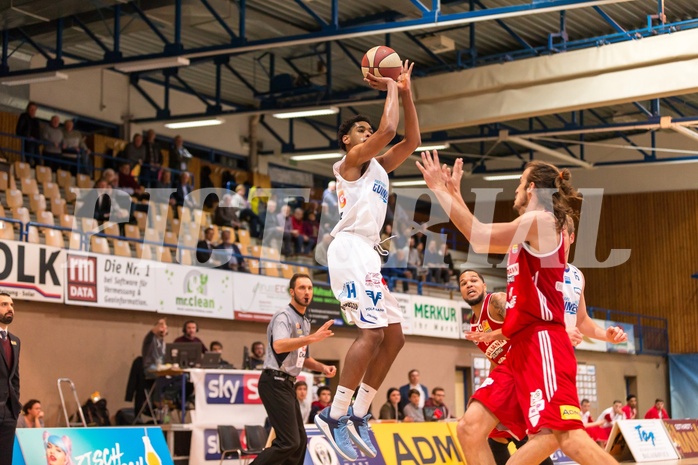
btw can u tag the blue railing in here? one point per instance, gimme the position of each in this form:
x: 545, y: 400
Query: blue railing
x: 651, y: 332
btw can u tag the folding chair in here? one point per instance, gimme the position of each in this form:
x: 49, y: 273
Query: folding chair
x: 256, y: 437
x: 229, y: 442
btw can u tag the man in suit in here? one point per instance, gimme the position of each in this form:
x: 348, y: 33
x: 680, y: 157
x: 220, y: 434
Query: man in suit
x: 9, y: 380
x: 204, y: 247
x: 413, y: 376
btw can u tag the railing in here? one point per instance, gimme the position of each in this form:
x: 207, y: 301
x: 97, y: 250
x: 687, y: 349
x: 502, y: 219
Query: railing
x: 651, y: 332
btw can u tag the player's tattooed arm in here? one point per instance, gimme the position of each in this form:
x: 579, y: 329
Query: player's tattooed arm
x: 498, y: 305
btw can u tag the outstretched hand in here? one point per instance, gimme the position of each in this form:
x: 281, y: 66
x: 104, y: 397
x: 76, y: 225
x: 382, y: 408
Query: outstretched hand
x: 379, y: 83
x: 324, y: 332
x: 404, y: 81
x: 441, y: 178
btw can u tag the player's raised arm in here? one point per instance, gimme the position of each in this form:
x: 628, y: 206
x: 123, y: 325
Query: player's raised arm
x: 373, y: 143
x: 536, y: 227
x: 397, y: 154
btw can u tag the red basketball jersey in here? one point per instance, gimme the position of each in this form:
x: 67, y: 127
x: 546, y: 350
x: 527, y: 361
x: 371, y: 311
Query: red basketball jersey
x: 496, y: 351
x: 534, y: 289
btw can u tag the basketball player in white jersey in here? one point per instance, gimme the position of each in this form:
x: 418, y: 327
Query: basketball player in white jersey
x: 577, y: 321
x: 355, y: 267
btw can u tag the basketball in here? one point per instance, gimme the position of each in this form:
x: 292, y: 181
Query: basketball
x: 381, y: 61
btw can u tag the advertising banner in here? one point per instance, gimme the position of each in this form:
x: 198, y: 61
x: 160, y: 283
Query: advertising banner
x: 115, y: 282
x: 641, y: 441
x: 31, y: 271
x: 435, y: 317
x: 325, y: 306
x: 88, y: 446
x: 191, y: 291
x: 684, y: 433
x: 405, y: 303
x: 403, y: 443
x: 257, y: 298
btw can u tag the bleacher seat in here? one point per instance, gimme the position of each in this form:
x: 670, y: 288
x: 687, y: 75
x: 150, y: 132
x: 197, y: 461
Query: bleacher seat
x: 121, y: 248
x: 7, y: 231
x: 13, y: 198
x: 53, y: 238
x: 21, y: 214
x: 286, y: 271
x: 43, y: 174
x: 132, y: 232
x: 45, y: 217
x: 165, y: 254
x: 37, y: 203
x: 29, y: 186
x: 51, y: 190
x: 111, y: 228
x: 141, y: 220
x: 185, y: 257
x: 22, y: 170
x: 99, y: 245
x: 89, y: 225
x: 75, y: 242
x: 33, y: 235
x: 243, y: 236
x: 143, y: 252
x: 64, y: 179
x: 84, y: 181
x: 4, y: 181
x: 58, y: 206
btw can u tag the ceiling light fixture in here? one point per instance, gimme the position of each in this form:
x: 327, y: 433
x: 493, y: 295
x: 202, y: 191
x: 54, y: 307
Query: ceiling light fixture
x: 306, y: 113
x: 317, y: 156
x: 33, y: 78
x: 155, y: 63
x: 437, y: 146
x: 195, y: 123
x: 409, y: 182
x: 502, y: 177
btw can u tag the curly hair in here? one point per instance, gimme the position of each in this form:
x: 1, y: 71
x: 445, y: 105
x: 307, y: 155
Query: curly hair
x: 346, y: 127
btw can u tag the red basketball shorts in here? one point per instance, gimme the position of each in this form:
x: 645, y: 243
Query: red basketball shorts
x: 498, y: 394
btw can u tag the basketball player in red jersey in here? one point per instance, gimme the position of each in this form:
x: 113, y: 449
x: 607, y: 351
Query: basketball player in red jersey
x: 496, y: 398
x: 540, y: 353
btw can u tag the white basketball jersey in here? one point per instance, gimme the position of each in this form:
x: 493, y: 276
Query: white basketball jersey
x: 572, y: 294
x: 362, y: 203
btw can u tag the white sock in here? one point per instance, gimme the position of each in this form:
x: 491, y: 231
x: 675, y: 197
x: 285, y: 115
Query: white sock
x: 341, y: 401
x: 363, y: 400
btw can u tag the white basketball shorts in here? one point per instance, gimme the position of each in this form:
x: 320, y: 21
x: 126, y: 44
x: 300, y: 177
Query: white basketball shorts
x: 357, y: 282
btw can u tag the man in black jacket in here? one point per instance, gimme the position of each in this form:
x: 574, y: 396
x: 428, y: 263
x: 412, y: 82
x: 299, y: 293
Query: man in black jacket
x: 28, y: 126
x: 9, y: 380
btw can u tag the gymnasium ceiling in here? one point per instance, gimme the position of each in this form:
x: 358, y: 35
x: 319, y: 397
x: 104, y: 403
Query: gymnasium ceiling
x: 280, y: 54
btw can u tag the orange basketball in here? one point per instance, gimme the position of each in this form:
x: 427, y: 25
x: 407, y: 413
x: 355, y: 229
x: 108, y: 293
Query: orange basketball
x: 381, y: 61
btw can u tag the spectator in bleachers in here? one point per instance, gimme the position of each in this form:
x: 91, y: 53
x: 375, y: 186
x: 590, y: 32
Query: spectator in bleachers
x: 437, y: 400
x: 110, y: 176
x: 295, y: 237
x: 283, y: 217
x: 165, y: 181
x: 205, y: 246
x: 273, y: 229
x: 412, y: 410
x: 311, y: 228
x: 52, y: 135
x: 179, y: 155
x: 301, y: 388
x: 134, y: 151
x: 244, y: 211
x: 29, y: 127
x: 101, y: 209
x: 258, y: 198
x: 228, y: 254
x: 153, y: 348
x: 189, y: 330
x: 396, y: 267
x: 391, y: 409
x: 183, y: 190
x: 75, y: 149
x: 226, y: 214
x: 657, y: 412
x: 415, y: 258
x: 422, y: 390
x: 126, y: 182
x: 32, y: 415
x: 256, y: 361
x: 606, y: 420
x: 324, y: 398
x: 434, y: 261
x: 152, y: 161
x: 330, y: 210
